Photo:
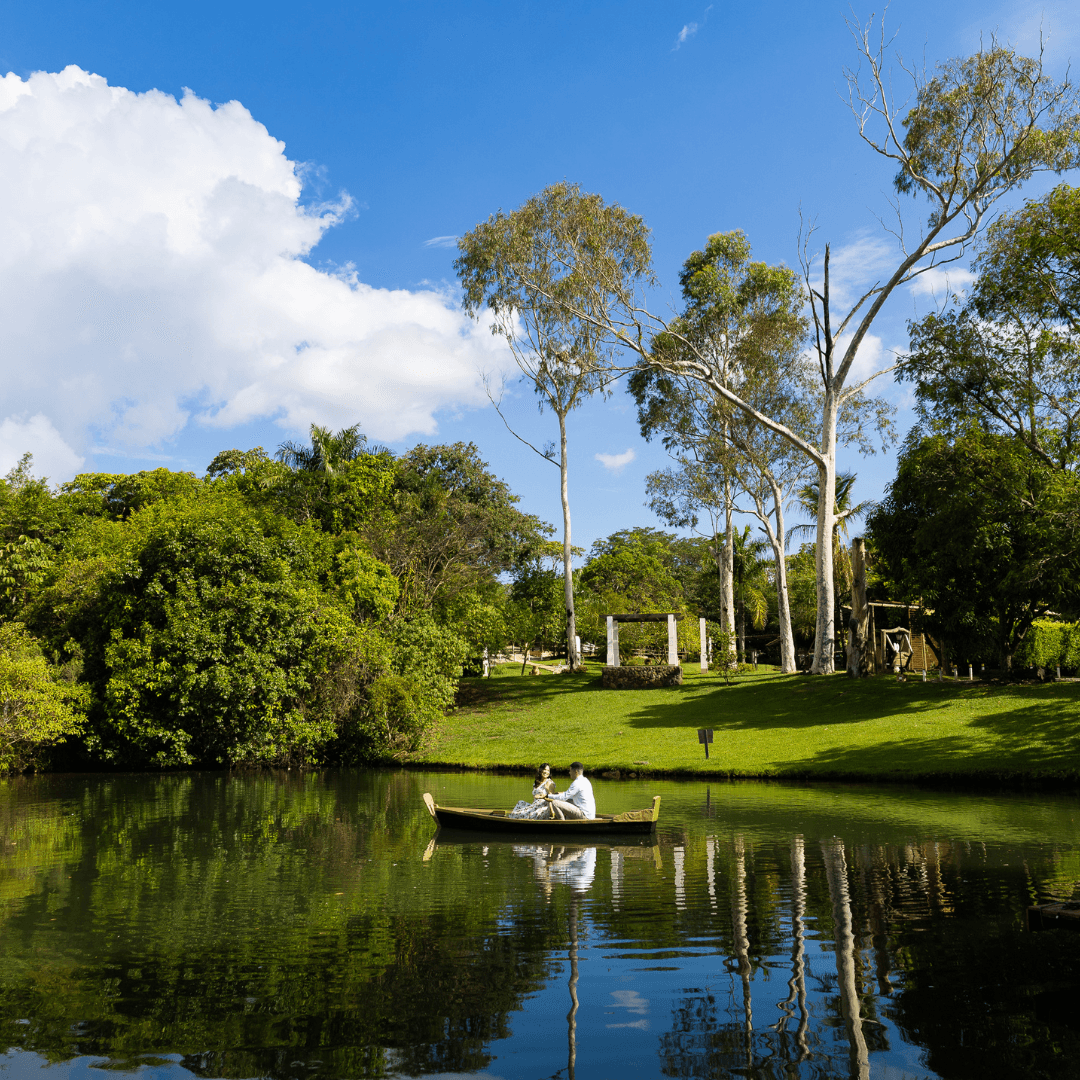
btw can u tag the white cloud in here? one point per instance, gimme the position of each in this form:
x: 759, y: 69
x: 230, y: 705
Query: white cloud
x: 941, y: 281
x: 632, y: 1002
x: 872, y: 356
x: 441, y: 242
x: 1022, y: 26
x: 616, y: 462
x: 152, y: 276
x: 36, y: 434
x: 854, y: 267
x: 684, y: 35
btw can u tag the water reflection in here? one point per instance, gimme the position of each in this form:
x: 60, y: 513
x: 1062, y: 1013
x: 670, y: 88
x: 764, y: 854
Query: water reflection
x: 313, y: 926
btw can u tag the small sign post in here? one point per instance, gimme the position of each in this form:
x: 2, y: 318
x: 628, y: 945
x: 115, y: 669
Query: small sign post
x: 704, y: 736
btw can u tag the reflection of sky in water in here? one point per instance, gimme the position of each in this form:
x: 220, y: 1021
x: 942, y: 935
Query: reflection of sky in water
x: 765, y: 931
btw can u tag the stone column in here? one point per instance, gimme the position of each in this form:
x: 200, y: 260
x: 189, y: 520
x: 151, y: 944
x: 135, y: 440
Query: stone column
x: 704, y: 646
x: 612, y: 642
x: 672, y: 642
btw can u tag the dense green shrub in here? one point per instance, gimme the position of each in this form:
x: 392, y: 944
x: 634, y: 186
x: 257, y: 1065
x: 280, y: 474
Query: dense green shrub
x: 37, y: 708
x: 1049, y: 644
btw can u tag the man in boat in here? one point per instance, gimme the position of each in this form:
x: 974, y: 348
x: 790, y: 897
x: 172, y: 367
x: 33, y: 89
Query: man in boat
x: 577, y: 800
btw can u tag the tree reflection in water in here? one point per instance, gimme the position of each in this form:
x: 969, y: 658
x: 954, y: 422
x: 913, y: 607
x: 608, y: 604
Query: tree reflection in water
x: 310, y: 926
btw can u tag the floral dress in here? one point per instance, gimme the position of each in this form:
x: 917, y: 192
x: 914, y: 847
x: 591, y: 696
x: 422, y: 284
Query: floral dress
x: 538, y: 808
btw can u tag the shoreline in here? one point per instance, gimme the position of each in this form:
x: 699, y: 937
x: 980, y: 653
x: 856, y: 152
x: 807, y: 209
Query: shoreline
x: 770, y: 727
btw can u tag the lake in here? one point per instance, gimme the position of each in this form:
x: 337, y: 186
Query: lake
x: 305, y: 925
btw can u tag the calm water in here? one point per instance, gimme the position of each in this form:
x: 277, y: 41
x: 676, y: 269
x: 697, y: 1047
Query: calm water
x: 310, y: 926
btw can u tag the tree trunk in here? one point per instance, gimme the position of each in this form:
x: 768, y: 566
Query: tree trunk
x: 568, y: 557
x: 727, y: 572
x: 824, y: 636
x: 783, y: 602
x: 858, y: 662
x: 742, y: 629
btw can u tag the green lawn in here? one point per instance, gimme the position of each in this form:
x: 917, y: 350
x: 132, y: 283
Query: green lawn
x: 768, y: 725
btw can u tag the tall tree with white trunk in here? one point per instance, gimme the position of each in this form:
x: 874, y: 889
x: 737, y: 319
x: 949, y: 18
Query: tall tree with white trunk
x: 980, y: 126
x: 531, y: 269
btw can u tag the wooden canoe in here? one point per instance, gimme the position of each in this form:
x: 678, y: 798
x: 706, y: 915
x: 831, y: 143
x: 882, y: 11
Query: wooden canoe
x: 1061, y: 914
x: 630, y: 823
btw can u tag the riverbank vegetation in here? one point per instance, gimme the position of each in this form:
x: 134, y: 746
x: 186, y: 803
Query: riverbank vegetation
x: 317, y: 608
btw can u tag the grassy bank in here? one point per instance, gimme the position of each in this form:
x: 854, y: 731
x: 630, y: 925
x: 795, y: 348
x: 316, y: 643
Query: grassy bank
x: 768, y: 725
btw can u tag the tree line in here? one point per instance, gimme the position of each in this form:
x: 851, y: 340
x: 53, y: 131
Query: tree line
x: 750, y: 385
x: 314, y: 608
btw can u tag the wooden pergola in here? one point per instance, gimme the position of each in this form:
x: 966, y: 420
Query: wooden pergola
x: 671, y: 618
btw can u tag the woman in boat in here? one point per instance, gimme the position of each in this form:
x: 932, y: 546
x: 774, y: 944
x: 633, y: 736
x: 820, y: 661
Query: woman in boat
x: 543, y: 786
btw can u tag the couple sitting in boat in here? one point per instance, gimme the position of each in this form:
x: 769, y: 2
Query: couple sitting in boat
x: 575, y: 802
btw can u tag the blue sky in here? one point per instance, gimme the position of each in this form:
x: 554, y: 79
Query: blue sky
x: 411, y: 122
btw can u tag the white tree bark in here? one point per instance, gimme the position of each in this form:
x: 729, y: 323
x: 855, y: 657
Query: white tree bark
x: 825, y: 635
x: 776, y: 539
x: 568, y: 554
x: 727, y: 572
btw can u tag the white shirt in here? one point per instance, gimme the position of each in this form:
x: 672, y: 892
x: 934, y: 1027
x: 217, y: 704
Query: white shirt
x: 580, y: 794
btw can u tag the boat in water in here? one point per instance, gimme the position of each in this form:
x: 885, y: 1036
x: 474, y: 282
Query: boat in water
x: 628, y: 823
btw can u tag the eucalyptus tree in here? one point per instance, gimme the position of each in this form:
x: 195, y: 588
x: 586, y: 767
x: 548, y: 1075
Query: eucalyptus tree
x: 979, y: 127
x: 538, y: 270
x: 845, y: 509
x: 744, y: 316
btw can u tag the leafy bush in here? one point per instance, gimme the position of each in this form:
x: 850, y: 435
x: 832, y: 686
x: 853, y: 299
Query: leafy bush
x: 37, y: 710
x: 204, y: 636
x: 1049, y: 644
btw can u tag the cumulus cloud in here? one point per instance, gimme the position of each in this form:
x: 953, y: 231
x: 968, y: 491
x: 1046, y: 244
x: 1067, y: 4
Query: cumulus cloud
x: 616, y: 462
x: 37, y: 435
x: 152, y: 277
x: 855, y: 266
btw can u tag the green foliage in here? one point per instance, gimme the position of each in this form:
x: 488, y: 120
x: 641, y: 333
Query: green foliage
x: 1008, y: 356
x: 542, y: 265
x: 37, y: 708
x: 23, y: 565
x: 631, y: 572
x: 121, y: 495
x: 366, y: 587
x: 1050, y: 644
x: 977, y: 530
x: 454, y: 528
x: 209, y: 637
x: 247, y: 618
x: 802, y: 586
x: 984, y: 124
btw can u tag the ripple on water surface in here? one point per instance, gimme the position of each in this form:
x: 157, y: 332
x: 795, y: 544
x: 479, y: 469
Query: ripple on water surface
x: 308, y: 926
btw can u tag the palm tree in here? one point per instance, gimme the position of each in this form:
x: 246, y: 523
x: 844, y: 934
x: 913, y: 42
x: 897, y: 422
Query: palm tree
x: 807, y: 501
x: 327, y: 452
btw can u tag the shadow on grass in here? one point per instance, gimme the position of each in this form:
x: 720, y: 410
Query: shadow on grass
x: 521, y: 690
x: 1007, y: 729
x: 1024, y: 741
x: 804, y: 702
